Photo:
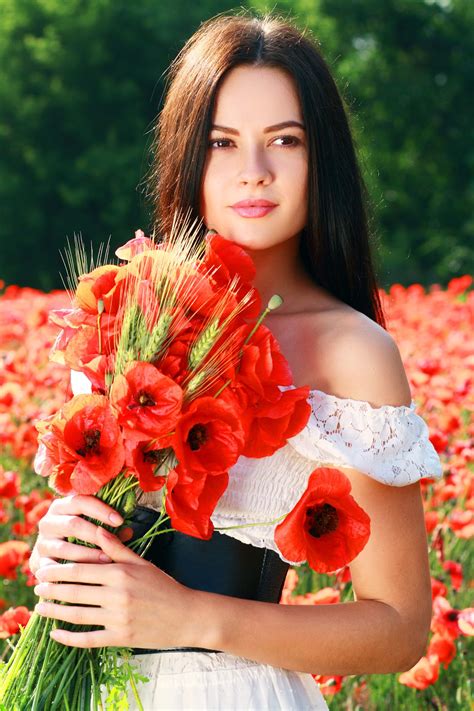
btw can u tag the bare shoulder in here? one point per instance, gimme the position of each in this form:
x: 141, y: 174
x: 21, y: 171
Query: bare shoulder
x: 357, y: 358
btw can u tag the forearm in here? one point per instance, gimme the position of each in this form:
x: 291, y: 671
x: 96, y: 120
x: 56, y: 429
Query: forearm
x: 360, y: 637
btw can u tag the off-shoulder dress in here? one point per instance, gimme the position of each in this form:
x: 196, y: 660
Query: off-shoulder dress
x: 389, y: 444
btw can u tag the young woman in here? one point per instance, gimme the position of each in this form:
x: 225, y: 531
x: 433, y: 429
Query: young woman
x: 253, y: 138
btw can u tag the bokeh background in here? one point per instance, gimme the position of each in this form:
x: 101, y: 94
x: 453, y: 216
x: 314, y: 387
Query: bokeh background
x: 81, y: 83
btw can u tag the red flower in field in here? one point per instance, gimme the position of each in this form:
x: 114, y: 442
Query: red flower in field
x: 147, y: 402
x: 423, y: 674
x: 459, y: 284
x: 466, y: 621
x: 328, y: 685
x: 455, y: 571
x: 462, y: 523
x: 326, y: 527
x: 191, y: 500
x: 431, y: 520
x: 30, y: 524
x: 445, y: 618
x: 12, y: 554
x: 9, y: 484
x: 270, y: 425
x: 443, y: 647
x: 438, y: 588
x: 81, y: 448
x: 11, y: 620
x: 209, y: 437
x: 439, y: 440
x: 144, y: 459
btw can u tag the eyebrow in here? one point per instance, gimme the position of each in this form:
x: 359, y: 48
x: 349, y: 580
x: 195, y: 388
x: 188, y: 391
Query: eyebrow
x: 268, y: 129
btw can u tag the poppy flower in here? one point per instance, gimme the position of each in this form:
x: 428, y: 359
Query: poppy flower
x: 423, y: 674
x: 191, y: 500
x: 144, y: 460
x: 140, y: 243
x: 9, y: 484
x: 11, y: 620
x: 226, y: 260
x: 12, y: 554
x: 445, y: 618
x: 443, y: 647
x: 270, y: 425
x: 262, y: 366
x: 326, y: 527
x: 147, y: 402
x: 98, y: 285
x: 81, y: 448
x: 209, y: 437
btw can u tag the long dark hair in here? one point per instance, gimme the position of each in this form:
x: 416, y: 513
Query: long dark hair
x: 334, y: 246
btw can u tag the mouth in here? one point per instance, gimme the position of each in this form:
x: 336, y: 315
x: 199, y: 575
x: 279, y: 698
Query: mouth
x: 253, y: 208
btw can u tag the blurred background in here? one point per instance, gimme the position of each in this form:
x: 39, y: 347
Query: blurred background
x: 81, y: 82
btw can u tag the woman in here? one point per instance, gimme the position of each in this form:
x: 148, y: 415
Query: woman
x: 253, y: 138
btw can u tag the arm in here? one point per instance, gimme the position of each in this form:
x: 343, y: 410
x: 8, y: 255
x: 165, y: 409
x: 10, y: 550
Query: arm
x: 385, y: 629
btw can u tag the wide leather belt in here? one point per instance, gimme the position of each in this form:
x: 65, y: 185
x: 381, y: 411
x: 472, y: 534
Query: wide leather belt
x: 220, y: 565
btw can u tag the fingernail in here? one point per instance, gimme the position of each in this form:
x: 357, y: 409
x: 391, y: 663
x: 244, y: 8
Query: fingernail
x: 105, y: 558
x: 115, y: 518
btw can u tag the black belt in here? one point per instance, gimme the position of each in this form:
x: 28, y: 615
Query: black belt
x: 220, y: 565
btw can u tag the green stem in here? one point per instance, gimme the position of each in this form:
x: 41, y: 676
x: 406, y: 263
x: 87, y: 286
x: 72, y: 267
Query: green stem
x: 249, y: 525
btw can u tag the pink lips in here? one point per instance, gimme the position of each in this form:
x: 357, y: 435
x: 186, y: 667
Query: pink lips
x: 253, y: 207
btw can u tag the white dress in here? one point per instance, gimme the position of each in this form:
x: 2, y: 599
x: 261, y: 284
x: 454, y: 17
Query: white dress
x: 390, y: 444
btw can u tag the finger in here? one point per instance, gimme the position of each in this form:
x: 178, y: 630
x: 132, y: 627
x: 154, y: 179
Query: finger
x: 89, y: 573
x: 58, y: 549
x: 70, y: 613
x: 37, y: 563
x: 99, y: 638
x: 116, y: 550
x: 81, y: 504
x: 65, y: 526
x: 77, y: 594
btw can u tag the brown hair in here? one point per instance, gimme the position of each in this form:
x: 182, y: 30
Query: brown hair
x: 334, y: 246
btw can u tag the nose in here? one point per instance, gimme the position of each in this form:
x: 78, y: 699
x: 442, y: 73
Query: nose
x: 255, y: 169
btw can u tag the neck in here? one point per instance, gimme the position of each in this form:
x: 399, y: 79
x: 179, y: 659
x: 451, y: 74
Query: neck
x: 279, y: 272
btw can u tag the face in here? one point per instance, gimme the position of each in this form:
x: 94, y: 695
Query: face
x: 257, y: 156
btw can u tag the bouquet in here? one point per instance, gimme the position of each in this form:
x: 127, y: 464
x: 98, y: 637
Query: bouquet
x: 185, y: 378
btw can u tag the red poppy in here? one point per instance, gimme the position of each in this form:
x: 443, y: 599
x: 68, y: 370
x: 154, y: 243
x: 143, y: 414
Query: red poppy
x: 445, y: 618
x: 328, y: 685
x: 455, y: 572
x: 147, y: 402
x: 227, y: 260
x: 9, y: 484
x: 443, y: 647
x: 263, y: 367
x: 326, y: 527
x: 140, y: 243
x: 209, y: 437
x: 466, y: 621
x: 81, y: 448
x: 270, y: 425
x: 98, y: 285
x: 144, y: 460
x: 12, y: 554
x: 191, y: 500
x: 11, y: 620
x: 423, y: 674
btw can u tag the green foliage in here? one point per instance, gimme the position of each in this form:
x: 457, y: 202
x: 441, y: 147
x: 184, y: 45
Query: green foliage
x: 405, y: 70
x: 80, y: 84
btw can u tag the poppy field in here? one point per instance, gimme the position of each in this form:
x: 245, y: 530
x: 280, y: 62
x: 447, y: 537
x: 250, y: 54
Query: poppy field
x: 433, y: 329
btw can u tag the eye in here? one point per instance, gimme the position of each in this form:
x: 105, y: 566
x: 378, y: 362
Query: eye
x: 214, y: 141
x: 290, y: 140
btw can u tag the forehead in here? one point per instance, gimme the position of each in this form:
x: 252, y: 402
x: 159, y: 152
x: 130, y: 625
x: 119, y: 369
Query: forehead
x: 256, y: 95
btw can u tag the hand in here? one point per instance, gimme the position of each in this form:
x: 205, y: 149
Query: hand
x: 62, y: 520
x: 137, y: 603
